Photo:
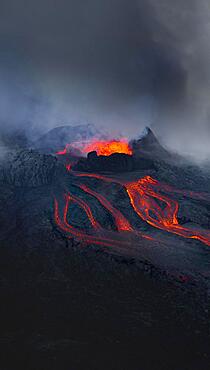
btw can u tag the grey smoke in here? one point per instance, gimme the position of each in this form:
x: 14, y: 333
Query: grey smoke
x: 116, y: 63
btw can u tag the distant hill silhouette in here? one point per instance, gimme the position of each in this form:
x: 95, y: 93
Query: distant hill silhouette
x: 58, y: 137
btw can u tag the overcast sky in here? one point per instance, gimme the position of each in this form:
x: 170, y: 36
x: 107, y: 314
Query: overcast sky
x: 121, y: 64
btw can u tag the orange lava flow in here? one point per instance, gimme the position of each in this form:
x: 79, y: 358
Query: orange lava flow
x: 122, y: 223
x: 86, y: 208
x: 79, y: 234
x: 108, y: 147
x: 95, y: 176
x: 63, y: 151
x: 143, y: 194
x: 148, y: 201
x: 68, y: 167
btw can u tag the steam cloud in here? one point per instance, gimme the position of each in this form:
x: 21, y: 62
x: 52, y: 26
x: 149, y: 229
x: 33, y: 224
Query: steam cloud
x: 115, y: 63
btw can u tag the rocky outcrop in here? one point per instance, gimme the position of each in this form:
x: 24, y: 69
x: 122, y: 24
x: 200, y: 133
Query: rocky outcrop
x: 116, y: 162
x: 28, y: 168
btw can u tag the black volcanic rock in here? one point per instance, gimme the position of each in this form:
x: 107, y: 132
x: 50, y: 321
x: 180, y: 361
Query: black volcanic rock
x: 28, y: 168
x: 92, y: 155
x: 116, y: 162
x: 148, y: 145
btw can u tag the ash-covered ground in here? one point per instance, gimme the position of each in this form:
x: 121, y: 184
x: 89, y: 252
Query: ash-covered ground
x: 67, y: 304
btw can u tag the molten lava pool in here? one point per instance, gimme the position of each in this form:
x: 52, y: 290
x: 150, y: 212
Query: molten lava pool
x: 108, y: 147
x: 105, y: 147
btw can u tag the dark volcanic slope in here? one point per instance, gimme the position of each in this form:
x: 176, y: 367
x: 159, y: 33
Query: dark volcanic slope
x: 28, y: 168
x: 31, y: 181
x: 71, y: 306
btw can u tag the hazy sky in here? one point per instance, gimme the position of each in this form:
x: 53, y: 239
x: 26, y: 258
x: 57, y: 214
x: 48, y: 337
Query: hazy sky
x: 121, y: 64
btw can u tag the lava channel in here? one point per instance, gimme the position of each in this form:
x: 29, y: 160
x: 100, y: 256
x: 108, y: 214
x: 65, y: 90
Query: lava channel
x: 145, y: 198
x: 82, y: 235
x: 143, y: 194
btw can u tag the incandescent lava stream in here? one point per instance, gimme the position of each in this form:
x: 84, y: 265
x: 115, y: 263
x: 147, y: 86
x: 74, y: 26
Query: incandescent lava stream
x: 147, y: 197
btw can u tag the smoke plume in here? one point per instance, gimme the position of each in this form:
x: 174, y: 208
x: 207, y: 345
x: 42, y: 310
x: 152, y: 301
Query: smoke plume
x: 118, y: 64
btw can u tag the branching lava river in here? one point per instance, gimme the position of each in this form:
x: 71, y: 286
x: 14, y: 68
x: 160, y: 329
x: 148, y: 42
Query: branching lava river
x: 148, y: 199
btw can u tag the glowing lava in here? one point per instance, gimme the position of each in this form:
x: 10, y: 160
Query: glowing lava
x: 148, y: 201
x: 108, y: 147
x: 79, y: 234
x: 63, y: 151
x: 143, y: 195
x: 122, y: 223
x: 68, y: 167
x: 86, y: 208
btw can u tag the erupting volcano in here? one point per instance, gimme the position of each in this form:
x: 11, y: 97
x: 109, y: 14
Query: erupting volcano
x: 150, y: 199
